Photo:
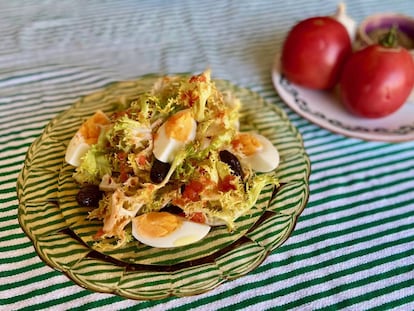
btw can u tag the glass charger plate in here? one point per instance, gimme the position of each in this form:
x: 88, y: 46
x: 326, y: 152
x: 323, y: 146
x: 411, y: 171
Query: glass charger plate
x: 51, y: 218
x: 324, y: 109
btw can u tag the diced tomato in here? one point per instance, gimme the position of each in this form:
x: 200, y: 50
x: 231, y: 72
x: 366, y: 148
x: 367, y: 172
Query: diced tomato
x: 198, y: 217
x: 98, y: 234
x: 142, y: 160
x: 236, y: 143
x: 119, y: 114
x: 190, y: 97
x: 122, y: 156
x: 178, y: 202
x: 199, y: 78
x: 192, y: 190
x: 123, y: 166
x: 123, y: 172
x: 226, y: 184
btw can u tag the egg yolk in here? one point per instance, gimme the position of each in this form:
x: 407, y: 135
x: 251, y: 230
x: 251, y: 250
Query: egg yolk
x: 179, y: 126
x: 248, y: 144
x: 157, y: 224
x: 91, y: 128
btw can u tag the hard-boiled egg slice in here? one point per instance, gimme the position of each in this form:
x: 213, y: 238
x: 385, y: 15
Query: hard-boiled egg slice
x: 77, y: 148
x: 259, y: 152
x: 173, y: 134
x: 86, y: 135
x: 164, y: 230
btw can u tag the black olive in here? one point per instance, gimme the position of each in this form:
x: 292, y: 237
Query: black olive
x: 232, y: 161
x: 159, y: 170
x: 89, y: 196
x: 173, y: 209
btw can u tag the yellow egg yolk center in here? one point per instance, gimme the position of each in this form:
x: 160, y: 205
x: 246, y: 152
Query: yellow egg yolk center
x: 157, y: 224
x: 179, y: 126
x: 92, y: 127
x: 248, y: 144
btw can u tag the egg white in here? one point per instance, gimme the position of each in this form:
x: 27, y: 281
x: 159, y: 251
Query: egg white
x: 266, y: 158
x: 76, y: 149
x: 78, y: 146
x: 187, y: 233
x: 166, y: 148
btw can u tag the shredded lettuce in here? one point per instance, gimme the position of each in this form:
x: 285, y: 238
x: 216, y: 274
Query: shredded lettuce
x: 95, y: 164
x: 127, y: 134
x: 196, y: 92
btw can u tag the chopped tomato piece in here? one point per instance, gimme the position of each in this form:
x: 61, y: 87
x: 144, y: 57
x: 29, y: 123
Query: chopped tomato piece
x: 122, y: 156
x: 190, y: 97
x: 179, y: 202
x: 198, y: 217
x: 98, y: 234
x: 142, y: 160
x: 123, y: 166
x: 199, y: 78
x: 227, y: 183
x: 192, y: 190
x: 119, y: 114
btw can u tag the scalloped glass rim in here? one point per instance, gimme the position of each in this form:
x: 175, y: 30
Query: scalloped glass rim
x: 44, y: 187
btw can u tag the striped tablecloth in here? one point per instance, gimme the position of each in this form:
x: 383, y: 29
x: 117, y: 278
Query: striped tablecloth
x: 353, y: 246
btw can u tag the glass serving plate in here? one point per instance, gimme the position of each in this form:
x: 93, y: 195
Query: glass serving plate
x: 62, y: 237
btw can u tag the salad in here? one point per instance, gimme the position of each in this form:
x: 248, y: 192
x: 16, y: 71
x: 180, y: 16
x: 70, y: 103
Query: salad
x: 169, y: 164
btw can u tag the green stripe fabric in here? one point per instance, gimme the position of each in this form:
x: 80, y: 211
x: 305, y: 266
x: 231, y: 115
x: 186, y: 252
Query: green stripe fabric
x: 353, y: 245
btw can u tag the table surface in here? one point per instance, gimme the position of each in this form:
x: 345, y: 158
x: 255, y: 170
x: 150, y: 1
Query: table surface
x: 353, y: 246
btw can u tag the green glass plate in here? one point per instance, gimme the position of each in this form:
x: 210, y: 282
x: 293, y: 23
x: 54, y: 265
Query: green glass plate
x: 61, y: 235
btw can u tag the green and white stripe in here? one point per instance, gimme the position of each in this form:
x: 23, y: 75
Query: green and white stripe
x: 353, y: 245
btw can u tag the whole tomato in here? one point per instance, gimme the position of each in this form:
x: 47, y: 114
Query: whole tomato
x: 314, y: 52
x: 377, y: 80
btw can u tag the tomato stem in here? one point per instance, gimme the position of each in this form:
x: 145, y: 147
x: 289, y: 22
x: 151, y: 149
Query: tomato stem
x: 390, y: 40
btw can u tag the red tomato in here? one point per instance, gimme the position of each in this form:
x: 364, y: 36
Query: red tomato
x: 198, y: 217
x: 123, y: 166
x: 314, y: 52
x: 192, y: 190
x: 226, y: 184
x: 377, y: 80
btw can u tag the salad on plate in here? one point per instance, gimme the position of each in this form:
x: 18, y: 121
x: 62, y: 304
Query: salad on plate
x: 169, y: 164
